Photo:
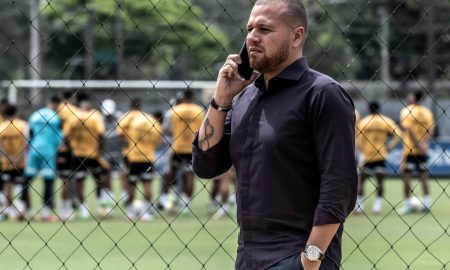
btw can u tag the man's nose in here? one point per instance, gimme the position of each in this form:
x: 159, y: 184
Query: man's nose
x: 252, y: 38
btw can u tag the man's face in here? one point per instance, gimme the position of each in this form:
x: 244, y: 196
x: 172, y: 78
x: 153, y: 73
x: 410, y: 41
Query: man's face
x: 269, y: 37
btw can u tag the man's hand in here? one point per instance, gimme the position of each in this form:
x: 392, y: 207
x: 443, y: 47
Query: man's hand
x: 308, y: 265
x: 229, y: 84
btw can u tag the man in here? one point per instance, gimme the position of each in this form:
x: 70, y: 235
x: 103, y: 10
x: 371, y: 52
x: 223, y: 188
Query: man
x: 164, y: 157
x: 111, y: 160
x: 418, y: 127
x: 85, y: 134
x: 123, y: 131
x: 220, y: 206
x: 145, y: 135
x: 290, y: 136
x: 185, y: 119
x: 13, y: 144
x: 45, y: 140
x: 3, y: 203
x: 112, y: 143
x: 375, y: 129
x: 67, y: 111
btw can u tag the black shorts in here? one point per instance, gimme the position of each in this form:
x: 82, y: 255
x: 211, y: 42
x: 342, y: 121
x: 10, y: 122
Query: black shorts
x: 140, y: 171
x: 64, y: 163
x: 13, y: 176
x: 82, y: 166
x: 418, y: 163
x: 182, y: 162
x: 374, y: 167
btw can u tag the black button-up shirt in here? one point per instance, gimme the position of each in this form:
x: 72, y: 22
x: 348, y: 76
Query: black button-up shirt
x: 293, y: 149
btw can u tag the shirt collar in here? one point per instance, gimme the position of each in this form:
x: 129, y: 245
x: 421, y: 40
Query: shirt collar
x: 293, y: 72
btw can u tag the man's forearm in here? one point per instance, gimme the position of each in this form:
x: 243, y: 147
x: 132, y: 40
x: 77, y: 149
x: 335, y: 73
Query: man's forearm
x: 322, y: 235
x: 211, y: 131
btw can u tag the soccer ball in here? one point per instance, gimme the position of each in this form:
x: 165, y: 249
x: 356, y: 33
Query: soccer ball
x: 416, y: 204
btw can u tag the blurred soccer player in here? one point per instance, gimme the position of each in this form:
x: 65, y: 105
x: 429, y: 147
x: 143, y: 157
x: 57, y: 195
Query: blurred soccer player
x: 67, y: 111
x: 417, y: 123
x: 123, y: 131
x: 45, y: 138
x: 3, y: 104
x: 112, y: 146
x: 85, y: 135
x: 185, y: 119
x: 165, y: 200
x: 13, y: 144
x: 111, y: 160
x: 144, y: 135
x: 375, y: 130
x: 220, y: 199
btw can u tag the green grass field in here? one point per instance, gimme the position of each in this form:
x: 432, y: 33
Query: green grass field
x: 386, y: 241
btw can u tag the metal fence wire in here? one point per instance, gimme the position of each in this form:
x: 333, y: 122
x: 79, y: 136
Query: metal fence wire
x: 124, y: 70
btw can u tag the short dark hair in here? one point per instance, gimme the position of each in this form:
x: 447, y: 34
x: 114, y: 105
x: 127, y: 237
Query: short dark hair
x: 418, y: 96
x: 67, y: 94
x: 10, y: 110
x: 135, y: 103
x: 374, y: 107
x: 82, y: 96
x: 159, y: 116
x: 296, y: 11
x: 54, y: 99
x: 188, y: 94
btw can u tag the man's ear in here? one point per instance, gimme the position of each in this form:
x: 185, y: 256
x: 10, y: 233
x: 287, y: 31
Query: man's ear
x: 299, y: 37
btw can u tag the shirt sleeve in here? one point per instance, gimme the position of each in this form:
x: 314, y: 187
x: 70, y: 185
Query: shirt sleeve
x: 333, y: 121
x: 216, y: 160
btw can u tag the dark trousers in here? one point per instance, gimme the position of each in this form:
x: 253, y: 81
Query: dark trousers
x: 293, y: 263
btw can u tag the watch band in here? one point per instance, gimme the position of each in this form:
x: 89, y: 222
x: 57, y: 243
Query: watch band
x: 219, y: 108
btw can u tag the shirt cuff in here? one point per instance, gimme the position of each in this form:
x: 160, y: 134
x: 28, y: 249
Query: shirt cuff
x: 330, y: 213
x: 212, y: 162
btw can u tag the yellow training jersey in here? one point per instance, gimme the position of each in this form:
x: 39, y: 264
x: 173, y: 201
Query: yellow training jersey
x: 144, y: 135
x: 67, y: 112
x: 375, y: 129
x: 84, y: 133
x: 13, y: 144
x: 186, y: 119
x: 123, y: 128
x: 419, y: 120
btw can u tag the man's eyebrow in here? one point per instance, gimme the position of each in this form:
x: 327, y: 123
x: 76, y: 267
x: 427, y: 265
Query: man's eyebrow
x: 259, y: 24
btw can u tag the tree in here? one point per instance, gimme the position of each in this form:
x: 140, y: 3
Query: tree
x: 345, y: 37
x: 14, y: 31
x: 165, y: 39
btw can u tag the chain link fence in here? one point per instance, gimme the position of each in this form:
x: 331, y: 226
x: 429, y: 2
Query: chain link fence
x: 112, y: 55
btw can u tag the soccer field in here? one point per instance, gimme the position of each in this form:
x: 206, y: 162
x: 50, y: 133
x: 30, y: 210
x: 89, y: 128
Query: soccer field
x: 195, y: 241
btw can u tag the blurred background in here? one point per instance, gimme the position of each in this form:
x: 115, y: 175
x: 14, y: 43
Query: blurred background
x: 153, y: 50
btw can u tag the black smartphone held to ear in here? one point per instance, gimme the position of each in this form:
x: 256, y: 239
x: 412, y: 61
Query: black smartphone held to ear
x: 244, y: 68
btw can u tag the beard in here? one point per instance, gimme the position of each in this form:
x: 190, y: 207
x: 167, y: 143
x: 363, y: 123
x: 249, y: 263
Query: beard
x: 271, y: 62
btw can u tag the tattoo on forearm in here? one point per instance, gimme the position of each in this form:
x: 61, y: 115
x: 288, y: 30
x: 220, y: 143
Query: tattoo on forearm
x: 209, y: 132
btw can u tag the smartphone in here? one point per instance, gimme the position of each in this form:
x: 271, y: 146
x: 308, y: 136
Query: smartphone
x: 244, y: 68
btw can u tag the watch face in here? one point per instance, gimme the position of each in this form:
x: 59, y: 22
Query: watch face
x: 312, y: 253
